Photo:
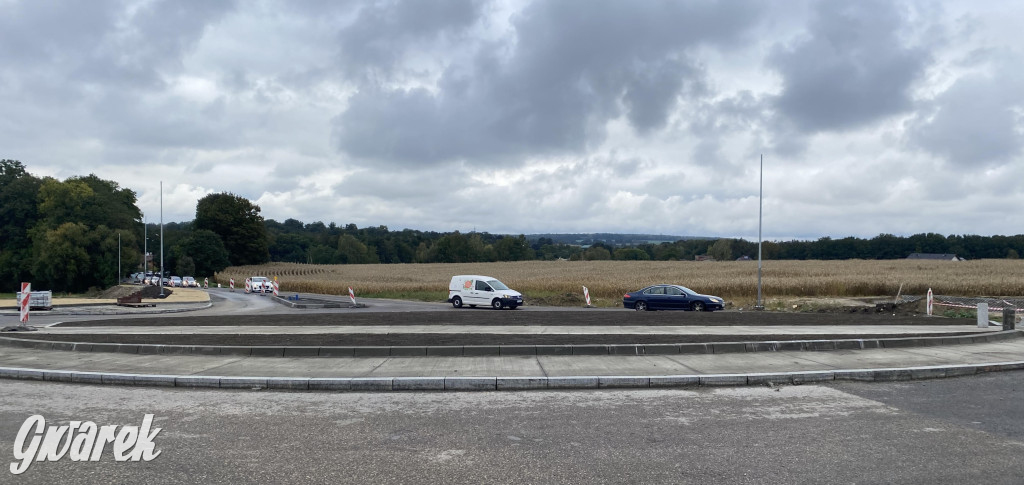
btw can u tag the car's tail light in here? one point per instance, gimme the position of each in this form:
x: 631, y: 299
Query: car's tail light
x: 626, y: 295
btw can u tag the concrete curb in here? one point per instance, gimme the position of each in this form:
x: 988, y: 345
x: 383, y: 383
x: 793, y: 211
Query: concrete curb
x: 505, y: 350
x: 116, y: 309
x: 462, y: 383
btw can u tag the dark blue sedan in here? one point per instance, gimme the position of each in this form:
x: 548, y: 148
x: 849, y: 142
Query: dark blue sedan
x: 671, y: 297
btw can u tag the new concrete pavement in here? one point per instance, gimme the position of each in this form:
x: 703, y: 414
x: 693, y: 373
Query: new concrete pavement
x: 507, y: 372
x: 731, y: 363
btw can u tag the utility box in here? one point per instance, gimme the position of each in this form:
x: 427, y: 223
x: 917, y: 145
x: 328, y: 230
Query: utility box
x: 38, y: 300
x: 1009, y: 319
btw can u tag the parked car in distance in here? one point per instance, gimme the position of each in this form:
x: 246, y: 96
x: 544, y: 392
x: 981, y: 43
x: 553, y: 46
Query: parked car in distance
x: 176, y: 281
x: 476, y: 290
x: 259, y: 284
x: 148, y: 279
x: 671, y: 297
x: 189, y: 282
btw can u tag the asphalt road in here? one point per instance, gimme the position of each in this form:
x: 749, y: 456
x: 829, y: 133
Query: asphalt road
x: 921, y: 432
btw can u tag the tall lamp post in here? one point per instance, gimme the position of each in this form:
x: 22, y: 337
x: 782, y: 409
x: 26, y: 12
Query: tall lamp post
x: 760, y: 205
x: 162, y: 239
x: 119, y: 258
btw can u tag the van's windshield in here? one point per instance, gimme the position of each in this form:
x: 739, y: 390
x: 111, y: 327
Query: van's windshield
x: 497, y: 285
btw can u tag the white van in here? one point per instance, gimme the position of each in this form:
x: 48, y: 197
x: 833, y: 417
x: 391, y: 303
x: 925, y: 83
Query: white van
x: 476, y: 290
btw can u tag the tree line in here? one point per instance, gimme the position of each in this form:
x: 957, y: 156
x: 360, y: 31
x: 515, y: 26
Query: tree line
x: 71, y: 235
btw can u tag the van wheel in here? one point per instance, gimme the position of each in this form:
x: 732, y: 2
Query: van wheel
x: 497, y: 304
x: 457, y: 302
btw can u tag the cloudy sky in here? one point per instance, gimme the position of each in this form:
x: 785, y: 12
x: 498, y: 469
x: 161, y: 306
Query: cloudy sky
x: 544, y: 116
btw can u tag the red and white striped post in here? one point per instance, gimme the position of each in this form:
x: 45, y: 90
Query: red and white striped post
x: 352, y: 295
x: 248, y: 285
x: 231, y: 282
x: 586, y: 294
x: 26, y: 292
x: 276, y: 287
x: 931, y: 301
x: 206, y: 283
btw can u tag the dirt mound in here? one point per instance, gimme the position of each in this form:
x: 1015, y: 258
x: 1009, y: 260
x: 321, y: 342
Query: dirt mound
x: 126, y: 290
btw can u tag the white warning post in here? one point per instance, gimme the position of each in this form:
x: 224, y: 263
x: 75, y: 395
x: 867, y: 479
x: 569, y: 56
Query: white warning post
x: 23, y: 305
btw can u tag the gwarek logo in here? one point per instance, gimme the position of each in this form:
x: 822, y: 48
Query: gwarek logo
x: 82, y: 441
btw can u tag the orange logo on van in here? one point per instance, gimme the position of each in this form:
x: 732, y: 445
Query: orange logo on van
x: 467, y: 284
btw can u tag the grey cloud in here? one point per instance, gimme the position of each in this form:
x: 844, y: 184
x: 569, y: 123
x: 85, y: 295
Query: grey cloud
x: 978, y: 121
x: 853, y: 68
x: 571, y: 67
x: 384, y: 32
x: 51, y: 31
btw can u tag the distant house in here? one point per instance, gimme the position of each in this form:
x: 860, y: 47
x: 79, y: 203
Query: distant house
x: 935, y: 256
x: 703, y: 257
x: 743, y: 258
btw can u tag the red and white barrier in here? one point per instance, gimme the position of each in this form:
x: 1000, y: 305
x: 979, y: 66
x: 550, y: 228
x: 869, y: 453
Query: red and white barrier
x: 206, y: 283
x: 26, y: 291
x: 586, y: 294
x: 931, y: 302
x: 248, y: 285
x: 351, y: 295
x: 231, y: 281
x: 276, y: 288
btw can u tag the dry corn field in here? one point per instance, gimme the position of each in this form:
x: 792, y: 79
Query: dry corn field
x: 608, y: 280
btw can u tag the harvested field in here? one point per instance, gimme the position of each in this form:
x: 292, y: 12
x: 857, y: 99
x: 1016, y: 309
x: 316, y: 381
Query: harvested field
x: 561, y: 282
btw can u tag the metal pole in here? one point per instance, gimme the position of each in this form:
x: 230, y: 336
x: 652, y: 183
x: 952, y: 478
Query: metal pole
x: 760, y: 206
x: 161, y: 280
x: 119, y: 258
x: 145, y: 245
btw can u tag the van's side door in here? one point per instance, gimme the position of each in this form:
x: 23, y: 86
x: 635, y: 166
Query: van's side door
x: 482, y: 293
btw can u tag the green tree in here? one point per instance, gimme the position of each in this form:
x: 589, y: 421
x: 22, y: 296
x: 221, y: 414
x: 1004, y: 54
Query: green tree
x: 62, y: 260
x: 596, y: 253
x: 721, y: 250
x: 511, y: 248
x: 19, y: 212
x: 206, y: 251
x: 238, y: 223
x: 631, y: 254
x: 351, y: 251
x: 186, y: 266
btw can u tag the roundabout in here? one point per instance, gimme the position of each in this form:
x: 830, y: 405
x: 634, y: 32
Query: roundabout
x: 250, y: 341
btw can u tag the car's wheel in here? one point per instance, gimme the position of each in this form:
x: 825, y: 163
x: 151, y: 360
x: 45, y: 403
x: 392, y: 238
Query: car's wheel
x: 641, y: 306
x: 457, y: 302
x: 497, y: 304
x: 698, y: 306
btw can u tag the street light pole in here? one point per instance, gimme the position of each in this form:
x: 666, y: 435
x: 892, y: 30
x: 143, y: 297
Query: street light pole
x: 161, y: 239
x: 119, y: 258
x: 760, y: 205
